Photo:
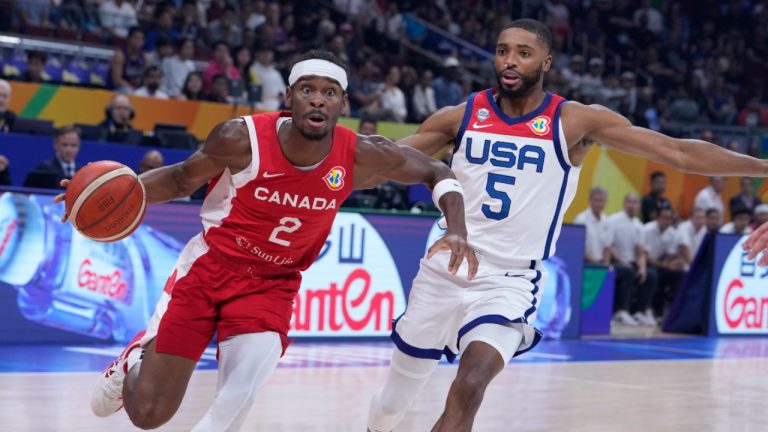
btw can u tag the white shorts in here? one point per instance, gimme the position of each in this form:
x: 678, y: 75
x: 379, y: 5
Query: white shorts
x: 443, y: 308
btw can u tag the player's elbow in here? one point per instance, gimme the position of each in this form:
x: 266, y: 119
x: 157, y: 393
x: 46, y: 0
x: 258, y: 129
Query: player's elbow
x: 440, y: 171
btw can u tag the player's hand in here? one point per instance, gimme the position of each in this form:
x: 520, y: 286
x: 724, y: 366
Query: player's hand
x: 642, y: 273
x: 460, y: 249
x: 60, y: 197
x: 758, y: 242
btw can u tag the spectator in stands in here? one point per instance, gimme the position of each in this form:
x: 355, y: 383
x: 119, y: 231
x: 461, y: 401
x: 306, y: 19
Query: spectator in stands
x: 760, y: 215
x: 253, y: 14
x: 151, y: 160
x: 654, y: 21
x: 714, y: 219
x: 116, y: 127
x: 665, y: 251
x: 592, y: 82
x: 711, y: 196
x: 684, y: 108
x: 220, y: 89
x: 226, y: 29
x: 392, y: 99
x: 368, y: 126
x: 574, y: 72
x: 117, y: 17
x: 424, y: 97
x: 7, y: 117
x: 746, y: 198
x: 655, y: 199
x: 35, y: 65
x: 242, y: 57
x: 363, y: 89
x: 598, y: 240
x: 176, y: 69
x: 49, y: 173
x: 739, y: 223
x: 163, y: 28
x: 153, y: 76
x: 32, y: 13
x: 633, y: 281
x: 128, y: 64
x: 5, y: 171
x: 692, y: 231
x: 191, y: 25
x: 447, y: 87
x: 221, y: 64
x: 164, y: 48
x: 193, y: 87
x: 265, y: 75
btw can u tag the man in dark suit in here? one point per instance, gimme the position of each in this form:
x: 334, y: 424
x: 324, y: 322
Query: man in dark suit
x: 7, y: 118
x: 116, y: 127
x: 745, y: 199
x: 49, y: 173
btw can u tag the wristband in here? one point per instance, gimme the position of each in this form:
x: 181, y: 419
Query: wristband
x: 443, y: 187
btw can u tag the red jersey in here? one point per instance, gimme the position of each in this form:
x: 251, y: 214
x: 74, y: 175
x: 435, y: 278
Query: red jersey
x: 272, y: 216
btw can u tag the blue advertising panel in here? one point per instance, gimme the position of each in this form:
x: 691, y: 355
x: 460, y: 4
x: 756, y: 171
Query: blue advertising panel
x: 58, y: 286
x: 739, y: 300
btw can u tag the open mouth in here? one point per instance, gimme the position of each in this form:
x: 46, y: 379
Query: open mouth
x: 315, y: 120
x: 510, y: 78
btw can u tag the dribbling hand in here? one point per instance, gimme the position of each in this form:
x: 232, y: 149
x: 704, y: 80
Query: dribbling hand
x: 60, y: 197
x: 460, y: 249
x: 756, y: 243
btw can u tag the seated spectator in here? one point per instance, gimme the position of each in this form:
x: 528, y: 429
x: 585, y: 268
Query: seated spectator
x: 226, y: 29
x: 746, y: 198
x: 31, y: 12
x: 760, y: 216
x: 424, y: 97
x: 126, y: 69
x: 5, y: 171
x: 264, y: 75
x: 368, y: 126
x: 35, y: 65
x: 598, y: 240
x: 655, y: 199
x: 163, y: 29
x: 177, y: 68
x: 739, y: 223
x: 49, y: 173
x: 693, y: 231
x: 7, y: 117
x: 447, y: 87
x: 153, y: 76
x: 665, y: 251
x: 164, y: 48
x: 116, y: 127
x: 193, y: 87
x: 363, y: 89
x: 714, y: 220
x: 221, y: 64
x: 191, y: 25
x: 242, y: 56
x: 151, y: 160
x: 220, y: 90
x: 710, y: 196
x: 634, y: 283
x: 392, y: 99
x: 117, y: 17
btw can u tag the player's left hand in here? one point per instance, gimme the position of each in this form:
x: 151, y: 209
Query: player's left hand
x: 460, y: 249
x: 756, y: 243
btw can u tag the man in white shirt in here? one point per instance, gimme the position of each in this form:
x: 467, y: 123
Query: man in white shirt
x: 178, y: 67
x: 693, y: 231
x: 634, y: 284
x: 392, y: 99
x: 263, y: 73
x: 739, y: 223
x: 117, y: 16
x: 665, y: 251
x: 710, y: 197
x: 598, y: 233
x: 151, y: 88
x: 424, y: 97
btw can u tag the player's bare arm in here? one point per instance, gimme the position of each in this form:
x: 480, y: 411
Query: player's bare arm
x: 381, y: 158
x: 438, y: 130
x: 688, y: 155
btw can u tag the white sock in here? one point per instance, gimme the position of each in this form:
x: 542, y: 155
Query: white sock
x: 406, y: 378
x: 246, y: 361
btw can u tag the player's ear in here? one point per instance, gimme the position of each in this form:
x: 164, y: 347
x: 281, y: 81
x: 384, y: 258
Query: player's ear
x: 345, y: 104
x: 547, y: 63
x: 287, y: 96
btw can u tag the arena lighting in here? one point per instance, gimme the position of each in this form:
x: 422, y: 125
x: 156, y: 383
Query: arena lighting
x: 10, y: 40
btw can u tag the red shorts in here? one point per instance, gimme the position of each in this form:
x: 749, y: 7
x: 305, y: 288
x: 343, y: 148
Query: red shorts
x: 206, y: 294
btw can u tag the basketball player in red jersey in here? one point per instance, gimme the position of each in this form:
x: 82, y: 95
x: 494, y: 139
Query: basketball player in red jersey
x: 518, y: 152
x: 276, y: 181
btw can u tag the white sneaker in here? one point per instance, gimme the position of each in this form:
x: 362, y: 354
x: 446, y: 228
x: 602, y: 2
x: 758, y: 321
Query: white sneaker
x: 645, y: 318
x: 107, y: 396
x: 623, y: 317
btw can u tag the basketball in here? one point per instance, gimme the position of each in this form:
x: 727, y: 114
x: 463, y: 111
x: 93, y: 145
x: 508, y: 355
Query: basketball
x: 105, y: 201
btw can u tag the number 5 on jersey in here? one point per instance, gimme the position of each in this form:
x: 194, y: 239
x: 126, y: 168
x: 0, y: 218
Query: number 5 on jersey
x: 492, y: 188
x: 288, y: 225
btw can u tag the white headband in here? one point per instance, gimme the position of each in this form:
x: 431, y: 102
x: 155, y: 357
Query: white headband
x: 318, y: 67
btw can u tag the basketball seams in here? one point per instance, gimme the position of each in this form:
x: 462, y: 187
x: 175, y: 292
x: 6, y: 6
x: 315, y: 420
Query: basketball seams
x: 95, y: 185
x: 136, y: 221
x: 116, y: 206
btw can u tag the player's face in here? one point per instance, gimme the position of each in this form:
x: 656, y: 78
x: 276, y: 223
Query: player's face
x: 521, y: 60
x: 316, y: 103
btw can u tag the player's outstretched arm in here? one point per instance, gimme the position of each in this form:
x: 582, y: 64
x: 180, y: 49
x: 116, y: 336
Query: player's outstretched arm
x: 227, y: 146
x: 689, y: 155
x: 438, y: 129
x: 758, y: 242
x: 379, y: 157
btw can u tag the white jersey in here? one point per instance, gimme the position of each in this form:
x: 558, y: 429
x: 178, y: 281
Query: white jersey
x: 516, y: 176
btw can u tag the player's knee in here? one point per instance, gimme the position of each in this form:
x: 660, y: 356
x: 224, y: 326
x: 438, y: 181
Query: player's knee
x: 148, y: 416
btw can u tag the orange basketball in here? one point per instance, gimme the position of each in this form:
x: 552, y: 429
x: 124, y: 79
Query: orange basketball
x: 105, y: 201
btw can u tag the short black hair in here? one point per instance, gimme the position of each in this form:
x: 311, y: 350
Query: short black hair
x: 39, y: 55
x: 536, y: 27
x: 370, y: 120
x: 135, y: 29
x: 713, y: 211
x: 60, y: 132
x: 320, y: 55
x: 656, y: 174
x: 740, y: 210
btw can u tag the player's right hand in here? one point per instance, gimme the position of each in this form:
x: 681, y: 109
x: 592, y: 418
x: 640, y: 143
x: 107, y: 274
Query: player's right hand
x: 758, y: 242
x: 60, y: 197
x: 460, y: 249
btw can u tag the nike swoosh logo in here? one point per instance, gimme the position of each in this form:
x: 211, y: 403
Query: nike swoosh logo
x: 477, y: 126
x: 268, y: 175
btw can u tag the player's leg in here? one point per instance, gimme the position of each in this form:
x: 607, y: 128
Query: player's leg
x: 246, y: 362
x: 489, y: 349
x: 406, y: 378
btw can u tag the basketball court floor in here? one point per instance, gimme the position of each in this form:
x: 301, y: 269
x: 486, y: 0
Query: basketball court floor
x: 616, y: 385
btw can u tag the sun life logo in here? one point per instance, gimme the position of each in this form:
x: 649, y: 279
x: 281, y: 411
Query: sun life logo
x: 335, y: 178
x: 540, y: 125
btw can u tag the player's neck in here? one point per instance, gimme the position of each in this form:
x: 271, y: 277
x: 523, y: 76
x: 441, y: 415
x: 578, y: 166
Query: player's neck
x: 521, y: 105
x: 299, y: 150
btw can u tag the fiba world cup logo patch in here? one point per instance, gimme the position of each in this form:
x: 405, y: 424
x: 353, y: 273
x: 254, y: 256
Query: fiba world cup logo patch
x: 482, y: 114
x: 335, y: 178
x: 540, y: 125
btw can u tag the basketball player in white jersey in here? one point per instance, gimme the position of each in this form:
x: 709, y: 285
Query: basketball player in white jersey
x: 518, y: 156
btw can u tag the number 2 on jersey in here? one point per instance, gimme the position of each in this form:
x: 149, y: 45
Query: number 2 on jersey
x: 493, y: 192
x: 288, y: 225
